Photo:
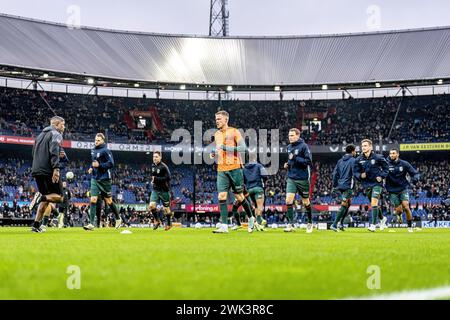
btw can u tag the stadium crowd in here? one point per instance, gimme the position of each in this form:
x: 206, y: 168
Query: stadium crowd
x: 131, y: 186
x: 420, y: 118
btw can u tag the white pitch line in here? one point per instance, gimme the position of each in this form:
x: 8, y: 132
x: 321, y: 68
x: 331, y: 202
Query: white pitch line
x: 426, y: 294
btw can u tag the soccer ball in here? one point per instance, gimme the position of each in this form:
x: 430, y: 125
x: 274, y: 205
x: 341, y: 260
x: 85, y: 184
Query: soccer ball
x: 69, y: 175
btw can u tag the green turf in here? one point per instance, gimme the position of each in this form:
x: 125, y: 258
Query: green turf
x: 196, y: 264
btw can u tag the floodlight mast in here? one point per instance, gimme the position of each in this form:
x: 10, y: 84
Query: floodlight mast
x: 218, y: 18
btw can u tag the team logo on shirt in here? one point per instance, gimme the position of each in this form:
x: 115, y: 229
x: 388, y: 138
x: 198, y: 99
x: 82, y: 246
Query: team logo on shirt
x: 157, y: 171
x: 400, y: 168
x: 291, y: 156
x: 372, y: 161
x: 296, y: 151
x: 98, y: 154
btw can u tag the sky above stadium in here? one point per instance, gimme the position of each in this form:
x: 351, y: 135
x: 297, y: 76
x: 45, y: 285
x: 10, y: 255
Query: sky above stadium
x: 247, y: 17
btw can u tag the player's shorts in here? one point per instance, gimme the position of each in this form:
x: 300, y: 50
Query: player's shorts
x: 256, y: 193
x: 164, y: 196
x: 374, y: 192
x: 397, y: 198
x: 346, y: 194
x: 233, y: 179
x: 300, y: 186
x: 101, y: 187
x: 46, y: 186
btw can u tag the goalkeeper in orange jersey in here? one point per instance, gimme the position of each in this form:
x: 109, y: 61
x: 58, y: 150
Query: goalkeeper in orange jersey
x: 229, y: 143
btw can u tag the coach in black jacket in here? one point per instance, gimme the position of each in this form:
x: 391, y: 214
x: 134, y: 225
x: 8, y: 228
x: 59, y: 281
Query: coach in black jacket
x: 46, y: 167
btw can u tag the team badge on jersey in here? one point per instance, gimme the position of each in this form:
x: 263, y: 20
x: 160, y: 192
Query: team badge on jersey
x: 291, y: 156
x: 372, y: 161
x: 400, y: 168
x: 296, y: 151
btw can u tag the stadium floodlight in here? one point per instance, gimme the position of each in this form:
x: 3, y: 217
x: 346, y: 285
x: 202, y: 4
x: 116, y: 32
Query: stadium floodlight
x: 45, y: 75
x: 90, y: 81
x: 183, y: 87
x: 136, y: 85
x: 230, y: 88
x: 276, y: 88
x: 324, y: 87
x: 440, y: 81
x: 377, y: 85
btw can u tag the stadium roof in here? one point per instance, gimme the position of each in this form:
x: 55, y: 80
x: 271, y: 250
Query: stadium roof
x: 29, y: 48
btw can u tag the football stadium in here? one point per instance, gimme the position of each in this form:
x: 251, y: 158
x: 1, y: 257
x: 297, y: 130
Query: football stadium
x: 137, y: 165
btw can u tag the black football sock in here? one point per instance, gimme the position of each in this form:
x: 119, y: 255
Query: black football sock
x: 309, y: 213
x: 345, y: 214
x: 45, y: 221
x: 290, y: 213
x: 155, y: 215
x: 115, y: 211
x: 169, y: 219
x: 248, y: 208
x: 235, y: 212
x: 55, y: 212
x: 380, y: 214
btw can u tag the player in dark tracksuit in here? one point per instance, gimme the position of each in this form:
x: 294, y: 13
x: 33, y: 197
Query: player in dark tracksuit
x: 161, y: 190
x: 343, y: 181
x: 254, y: 177
x: 397, y: 185
x: 52, y: 207
x: 371, y: 168
x: 101, y: 181
x: 46, y: 169
x: 299, y: 174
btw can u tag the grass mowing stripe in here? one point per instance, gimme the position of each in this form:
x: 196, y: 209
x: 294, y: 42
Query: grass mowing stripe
x: 196, y: 264
x: 425, y: 294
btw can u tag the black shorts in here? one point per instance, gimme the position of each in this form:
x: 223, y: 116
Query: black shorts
x: 46, y: 186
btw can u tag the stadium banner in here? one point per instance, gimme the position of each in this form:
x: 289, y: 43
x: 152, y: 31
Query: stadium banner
x: 142, y: 113
x: 137, y: 207
x: 10, y: 204
x: 16, y: 222
x: 312, y: 115
x: 117, y: 146
x: 437, y: 146
x: 341, y: 148
x: 214, y: 208
x: 437, y: 224
x: 17, y: 140
x: 187, y: 148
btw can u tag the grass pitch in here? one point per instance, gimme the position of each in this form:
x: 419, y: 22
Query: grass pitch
x: 196, y: 264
